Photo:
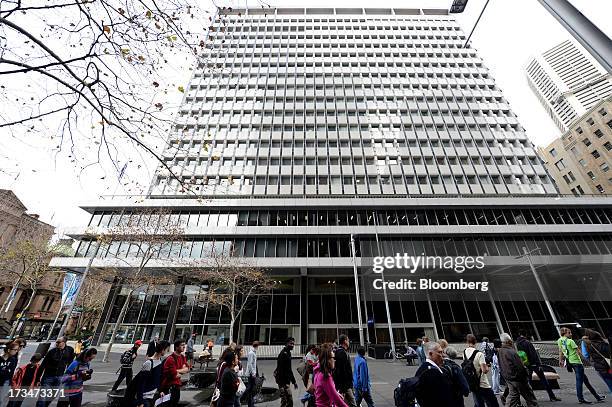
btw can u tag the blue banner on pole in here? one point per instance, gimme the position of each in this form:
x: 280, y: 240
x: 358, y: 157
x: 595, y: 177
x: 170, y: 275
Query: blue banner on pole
x: 71, y: 285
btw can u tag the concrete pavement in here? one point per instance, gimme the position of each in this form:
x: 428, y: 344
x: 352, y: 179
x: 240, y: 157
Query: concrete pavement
x: 383, y: 374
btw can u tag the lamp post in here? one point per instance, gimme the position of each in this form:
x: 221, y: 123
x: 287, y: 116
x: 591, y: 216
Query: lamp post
x: 76, y: 297
x: 527, y: 254
x: 357, y: 300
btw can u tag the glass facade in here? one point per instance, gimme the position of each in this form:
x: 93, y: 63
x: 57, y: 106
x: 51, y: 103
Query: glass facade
x: 306, y: 127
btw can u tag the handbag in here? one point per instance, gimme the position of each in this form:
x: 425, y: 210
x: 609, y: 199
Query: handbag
x: 215, y: 397
x: 241, y: 388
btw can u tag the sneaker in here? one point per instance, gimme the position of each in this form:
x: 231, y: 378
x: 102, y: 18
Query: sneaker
x: 601, y: 398
x: 583, y: 401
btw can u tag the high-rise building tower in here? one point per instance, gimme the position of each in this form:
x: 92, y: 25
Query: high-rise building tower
x: 568, y: 81
x: 306, y: 128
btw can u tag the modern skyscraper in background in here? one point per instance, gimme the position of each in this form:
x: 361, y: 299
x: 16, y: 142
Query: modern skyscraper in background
x: 304, y: 128
x: 568, y: 82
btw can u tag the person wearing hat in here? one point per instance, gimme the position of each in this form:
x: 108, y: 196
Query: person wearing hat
x: 127, y: 360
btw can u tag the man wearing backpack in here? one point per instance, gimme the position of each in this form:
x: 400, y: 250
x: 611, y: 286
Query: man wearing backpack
x: 515, y: 373
x: 459, y: 386
x: 533, y: 362
x: 433, y: 388
x: 127, y: 360
x: 475, y: 370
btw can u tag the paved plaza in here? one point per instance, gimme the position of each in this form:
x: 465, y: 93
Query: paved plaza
x: 383, y: 374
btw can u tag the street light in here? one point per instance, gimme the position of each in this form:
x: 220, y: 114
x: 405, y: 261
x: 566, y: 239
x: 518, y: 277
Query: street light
x: 458, y: 6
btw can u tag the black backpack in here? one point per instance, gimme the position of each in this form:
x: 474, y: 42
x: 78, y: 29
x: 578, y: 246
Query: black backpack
x: 469, y: 371
x: 488, y: 354
x: 404, y: 394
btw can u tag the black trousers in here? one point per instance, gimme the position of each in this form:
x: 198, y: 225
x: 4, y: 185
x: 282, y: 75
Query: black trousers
x: 124, y: 373
x: 175, y: 396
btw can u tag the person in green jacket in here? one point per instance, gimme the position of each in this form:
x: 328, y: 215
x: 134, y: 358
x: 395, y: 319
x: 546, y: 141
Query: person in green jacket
x: 569, y: 356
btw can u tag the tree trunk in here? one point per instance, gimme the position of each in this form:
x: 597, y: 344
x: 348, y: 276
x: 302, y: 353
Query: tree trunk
x: 23, y: 311
x: 116, y: 326
x: 232, y: 316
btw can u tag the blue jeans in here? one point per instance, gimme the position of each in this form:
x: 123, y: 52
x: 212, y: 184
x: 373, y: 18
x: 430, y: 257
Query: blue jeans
x: 49, y: 382
x: 485, y: 397
x: 495, y: 379
x: 581, y: 378
x: 607, y: 378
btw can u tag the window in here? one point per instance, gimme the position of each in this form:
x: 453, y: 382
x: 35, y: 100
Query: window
x: 608, y: 146
x: 586, y: 142
x: 602, y: 112
x: 578, y: 130
x: 604, y: 167
x: 609, y: 123
x: 590, y: 121
x: 590, y: 174
x: 553, y: 152
x: 598, y: 133
x: 595, y: 154
x: 560, y: 164
x: 600, y: 189
x: 582, y: 162
x: 574, y: 151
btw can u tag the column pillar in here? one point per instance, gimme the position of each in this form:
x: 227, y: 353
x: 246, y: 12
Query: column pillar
x: 303, y: 307
x: 179, y: 289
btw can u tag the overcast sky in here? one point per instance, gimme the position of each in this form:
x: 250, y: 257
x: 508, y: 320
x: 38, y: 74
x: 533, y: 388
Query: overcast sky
x: 508, y: 34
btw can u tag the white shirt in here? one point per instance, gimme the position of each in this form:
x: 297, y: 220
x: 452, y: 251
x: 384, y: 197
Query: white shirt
x: 251, y: 368
x: 479, y: 360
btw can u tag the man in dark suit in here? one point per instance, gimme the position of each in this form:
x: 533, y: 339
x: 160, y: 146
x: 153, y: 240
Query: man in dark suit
x: 434, y: 388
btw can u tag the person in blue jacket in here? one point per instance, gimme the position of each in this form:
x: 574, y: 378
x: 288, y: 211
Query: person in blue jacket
x: 361, y: 379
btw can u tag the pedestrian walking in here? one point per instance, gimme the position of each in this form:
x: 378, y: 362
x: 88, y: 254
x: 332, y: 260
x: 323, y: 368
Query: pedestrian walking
x: 78, y: 347
x: 420, y: 351
x: 145, y: 385
x: 229, y: 382
x: 152, y: 346
x: 284, y: 374
x: 52, y: 370
x: 534, y: 363
x: 78, y: 372
x: 311, y: 358
x: 434, y: 387
x: 343, y: 373
x: 569, y: 357
x: 325, y: 391
x: 495, y: 373
x: 125, y: 370
x: 8, y: 364
x: 599, y: 351
x: 515, y: 374
x: 26, y: 377
x: 459, y: 385
x: 487, y: 349
x: 190, y: 351
x: 251, y: 374
x: 475, y: 370
x: 174, y: 367
x: 361, y: 379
